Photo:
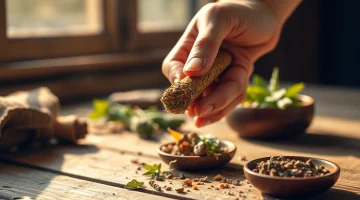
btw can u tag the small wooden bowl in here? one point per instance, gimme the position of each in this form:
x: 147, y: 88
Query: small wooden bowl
x: 271, y: 123
x: 199, y: 162
x: 291, y: 187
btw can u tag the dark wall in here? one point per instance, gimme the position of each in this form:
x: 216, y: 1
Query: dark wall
x: 319, y: 44
x: 340, y: 42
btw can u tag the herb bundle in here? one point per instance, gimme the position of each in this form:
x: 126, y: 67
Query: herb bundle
x: 144, y: 122
x: 263, y: 95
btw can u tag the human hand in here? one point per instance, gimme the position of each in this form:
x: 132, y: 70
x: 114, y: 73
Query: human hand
x: 247, y: 29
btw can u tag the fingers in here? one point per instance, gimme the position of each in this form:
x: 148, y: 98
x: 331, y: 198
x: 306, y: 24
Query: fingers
x: 207, y: 44
x: 203, y: 121
x: 232, y: 84
x: 173, y: 64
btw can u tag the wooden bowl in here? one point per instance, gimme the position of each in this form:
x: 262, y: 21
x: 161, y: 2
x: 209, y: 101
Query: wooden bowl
x: 199, y: 162
x: 265, y: 123
x: 291, y: 187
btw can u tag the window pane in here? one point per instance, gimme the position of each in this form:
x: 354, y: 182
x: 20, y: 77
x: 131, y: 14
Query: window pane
x: 39, y: 18
x: 165, y: 15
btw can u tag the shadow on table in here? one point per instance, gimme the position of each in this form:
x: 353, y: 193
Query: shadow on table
x: 324, y: 144
x: 331, y: 194
x: 36, y: 179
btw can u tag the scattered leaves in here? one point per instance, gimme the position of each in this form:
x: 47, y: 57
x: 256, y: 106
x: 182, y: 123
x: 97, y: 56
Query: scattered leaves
x: 134, y: 185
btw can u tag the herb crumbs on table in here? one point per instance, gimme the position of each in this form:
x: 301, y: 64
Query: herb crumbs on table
x: 218, y: 177
x: 179, y: 190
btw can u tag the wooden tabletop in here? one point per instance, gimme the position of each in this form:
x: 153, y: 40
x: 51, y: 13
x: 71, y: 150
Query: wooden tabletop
x: 100, y: 166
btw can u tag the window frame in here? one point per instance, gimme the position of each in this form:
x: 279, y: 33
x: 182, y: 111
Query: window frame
x: 159, y: 39
x: 109, y: 40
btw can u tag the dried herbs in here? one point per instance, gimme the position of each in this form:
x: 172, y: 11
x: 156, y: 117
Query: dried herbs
x: 154, y: 185
x: 179, y: 96
x: 261, y: 96
x: 192, y: 144
x: 134, y: 185
x: 280, y: 166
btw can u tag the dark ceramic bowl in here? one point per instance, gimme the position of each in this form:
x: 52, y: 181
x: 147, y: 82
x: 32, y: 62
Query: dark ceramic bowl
x: 292, y: 187
x: 262, y: 123
x: 199, y: 162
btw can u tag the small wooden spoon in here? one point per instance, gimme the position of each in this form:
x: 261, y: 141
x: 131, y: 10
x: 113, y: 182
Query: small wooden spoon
x: 198, y: 162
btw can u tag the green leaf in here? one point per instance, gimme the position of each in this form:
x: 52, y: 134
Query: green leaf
x: 100, y: 108
x: 211, y: 142
x: 256, y: 93
x: 119, y: 112
x: 274, y: 81
x: 258, y: 81
x: 293, y: 90
x: 284, y: 103
x: 153, y: 170
x: 134, y: 185
x: 275, y: 96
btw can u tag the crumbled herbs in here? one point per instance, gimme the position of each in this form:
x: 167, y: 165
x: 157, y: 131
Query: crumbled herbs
x: 154, y: 185
x: 182, y: 176
x: 203, y: 179
x: 283, y: 167
x: 134, y: 185
x: 187, y: 183
x: 192, y: 144
x: 144, y: 122
x: 179, y: 190
x: 259, y: 95
x: 218, y: 177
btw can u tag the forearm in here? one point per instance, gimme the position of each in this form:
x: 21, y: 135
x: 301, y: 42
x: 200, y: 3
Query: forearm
x: 282, y: 8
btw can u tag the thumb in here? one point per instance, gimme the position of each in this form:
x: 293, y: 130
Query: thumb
x: 204, y: 50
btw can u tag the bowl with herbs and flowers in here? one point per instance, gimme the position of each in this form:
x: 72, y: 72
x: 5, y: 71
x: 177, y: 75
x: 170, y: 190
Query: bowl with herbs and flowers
x: 271, y: 112
x: 193, y: 151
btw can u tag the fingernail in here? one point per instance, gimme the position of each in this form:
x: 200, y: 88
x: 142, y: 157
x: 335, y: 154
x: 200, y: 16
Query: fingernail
x: 205, y: 111
x: 194, y: 64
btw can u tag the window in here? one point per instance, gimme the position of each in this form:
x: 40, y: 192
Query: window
x: 90, y: 44
x: 159, y: 23
x: 37, y: 29
x: 47, y: 18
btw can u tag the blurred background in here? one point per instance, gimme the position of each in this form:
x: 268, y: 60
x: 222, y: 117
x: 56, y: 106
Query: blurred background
x: 86, y: 48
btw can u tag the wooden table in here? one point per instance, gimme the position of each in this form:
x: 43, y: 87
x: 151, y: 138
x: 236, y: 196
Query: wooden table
x: 100, y: 166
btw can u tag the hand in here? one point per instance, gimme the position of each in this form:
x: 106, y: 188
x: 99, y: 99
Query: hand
x: 248, y: 29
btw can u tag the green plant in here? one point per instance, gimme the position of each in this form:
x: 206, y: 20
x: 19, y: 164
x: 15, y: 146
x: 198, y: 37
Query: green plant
x: 144, y: 122
x: 263, y: 95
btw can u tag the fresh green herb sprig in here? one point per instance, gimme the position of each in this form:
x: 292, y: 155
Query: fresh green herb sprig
x: 144, y: 122
x: 153, y: 170
x: 134, y: 185
x: 263, y: 95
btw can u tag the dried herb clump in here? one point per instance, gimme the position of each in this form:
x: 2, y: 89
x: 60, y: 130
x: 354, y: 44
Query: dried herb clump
x: 179, y: 96
x: 280, y: 166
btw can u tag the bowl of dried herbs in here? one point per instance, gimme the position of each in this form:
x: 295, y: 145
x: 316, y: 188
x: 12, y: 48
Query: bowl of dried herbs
x: 291, y: 176
x: 192, y: 151
x: 270, y: 112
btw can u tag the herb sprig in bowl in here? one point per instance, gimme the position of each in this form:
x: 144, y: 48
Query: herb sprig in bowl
x: 260, y: 94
